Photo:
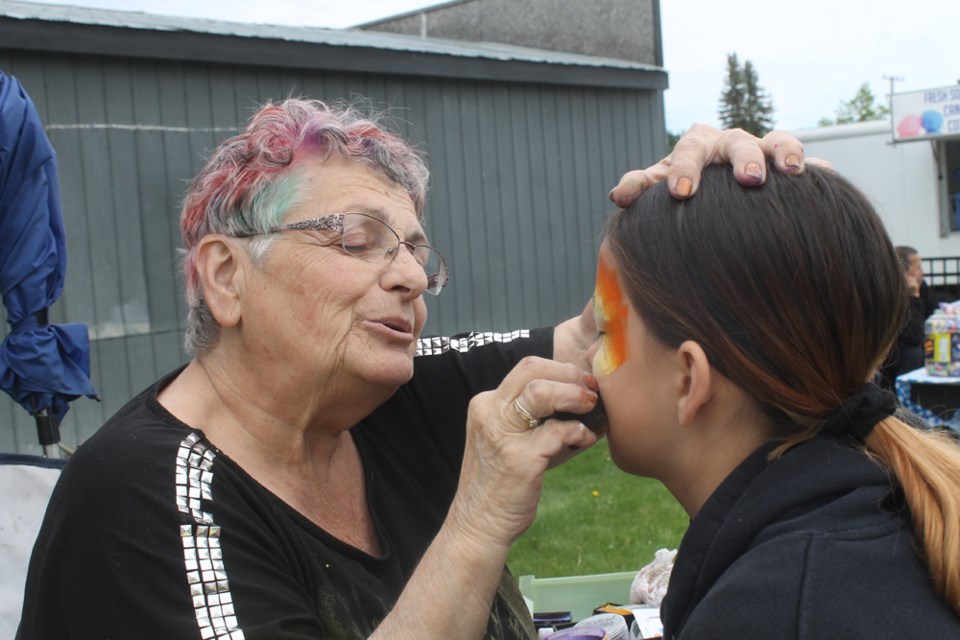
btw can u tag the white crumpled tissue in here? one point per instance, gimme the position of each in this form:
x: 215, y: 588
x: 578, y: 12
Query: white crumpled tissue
x: 650, y: 585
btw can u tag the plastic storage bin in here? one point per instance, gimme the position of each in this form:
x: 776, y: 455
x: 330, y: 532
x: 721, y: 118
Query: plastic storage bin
x: 579, y: 595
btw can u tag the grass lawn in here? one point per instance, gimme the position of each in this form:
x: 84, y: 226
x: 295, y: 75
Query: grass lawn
x: 594, y: 518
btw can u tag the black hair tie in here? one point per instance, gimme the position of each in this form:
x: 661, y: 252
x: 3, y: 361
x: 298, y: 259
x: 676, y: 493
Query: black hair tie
x: 859, y: 414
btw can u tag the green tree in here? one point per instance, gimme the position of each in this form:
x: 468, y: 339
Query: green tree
x: 759, y: 107
x: 743, y: 102
x: 732, y: 99
x: 863, y: 107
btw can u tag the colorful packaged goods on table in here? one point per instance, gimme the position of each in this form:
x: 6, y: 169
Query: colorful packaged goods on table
x: 942, y: 341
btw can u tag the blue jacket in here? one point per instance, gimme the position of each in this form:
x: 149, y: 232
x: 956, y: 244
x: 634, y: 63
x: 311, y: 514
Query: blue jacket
x: 812, y: 546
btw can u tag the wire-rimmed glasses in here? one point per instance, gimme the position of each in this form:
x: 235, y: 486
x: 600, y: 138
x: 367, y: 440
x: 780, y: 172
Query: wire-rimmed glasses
x: 371, y: 239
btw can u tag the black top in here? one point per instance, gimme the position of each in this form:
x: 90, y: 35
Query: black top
x: 907, y: 352
x: 812, y: 546
x: 154, y: 533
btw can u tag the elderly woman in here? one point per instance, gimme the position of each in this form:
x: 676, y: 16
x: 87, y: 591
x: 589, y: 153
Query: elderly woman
x: 302, y: 477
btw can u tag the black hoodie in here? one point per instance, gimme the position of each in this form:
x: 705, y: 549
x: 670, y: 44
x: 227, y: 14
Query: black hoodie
x: 812, y: 546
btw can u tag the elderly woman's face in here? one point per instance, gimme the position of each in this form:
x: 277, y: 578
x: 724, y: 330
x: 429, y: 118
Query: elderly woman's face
x: 323, y: 313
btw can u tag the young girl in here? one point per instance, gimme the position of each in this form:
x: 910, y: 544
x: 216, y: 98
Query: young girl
x: 738, y: 333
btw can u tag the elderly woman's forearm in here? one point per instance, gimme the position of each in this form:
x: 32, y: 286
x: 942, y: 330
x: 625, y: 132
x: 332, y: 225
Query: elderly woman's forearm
x: 451, y: 591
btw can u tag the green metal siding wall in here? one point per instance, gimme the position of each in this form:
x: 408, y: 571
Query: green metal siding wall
x: 520, y: 174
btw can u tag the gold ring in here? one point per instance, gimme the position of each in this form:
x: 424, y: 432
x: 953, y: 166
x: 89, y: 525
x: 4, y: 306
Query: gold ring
x: 526, y: 415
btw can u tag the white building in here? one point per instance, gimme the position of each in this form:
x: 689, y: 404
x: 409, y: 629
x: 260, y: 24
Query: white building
x: 914, y: 184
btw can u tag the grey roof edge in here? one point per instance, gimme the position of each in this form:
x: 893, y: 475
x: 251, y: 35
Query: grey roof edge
x: 103, y: 32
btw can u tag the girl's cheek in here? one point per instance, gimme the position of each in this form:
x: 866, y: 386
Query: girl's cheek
x: 605, y: 362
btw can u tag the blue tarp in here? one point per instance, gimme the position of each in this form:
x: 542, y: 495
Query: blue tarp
x: 42, y: 366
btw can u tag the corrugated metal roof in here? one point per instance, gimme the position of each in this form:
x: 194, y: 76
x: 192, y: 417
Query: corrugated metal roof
x: 313, y: 35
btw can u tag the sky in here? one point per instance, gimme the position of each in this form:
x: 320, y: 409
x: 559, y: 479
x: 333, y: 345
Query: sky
x: 810, y: 56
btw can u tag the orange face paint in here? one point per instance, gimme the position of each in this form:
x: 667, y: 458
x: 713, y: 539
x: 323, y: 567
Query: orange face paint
x: 611, y: 310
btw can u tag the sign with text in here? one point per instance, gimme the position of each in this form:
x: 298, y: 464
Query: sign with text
x: 922, y: 115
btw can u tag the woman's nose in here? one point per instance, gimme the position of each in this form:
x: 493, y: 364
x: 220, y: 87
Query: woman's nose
x: 406, y: 271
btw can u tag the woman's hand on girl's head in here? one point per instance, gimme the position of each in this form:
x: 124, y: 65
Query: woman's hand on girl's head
x: 703, y: 145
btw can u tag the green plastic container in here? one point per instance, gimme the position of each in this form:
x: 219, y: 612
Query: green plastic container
x: 579, y: 595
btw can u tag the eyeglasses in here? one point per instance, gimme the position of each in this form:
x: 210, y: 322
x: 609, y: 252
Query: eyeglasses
x: 371, y: 239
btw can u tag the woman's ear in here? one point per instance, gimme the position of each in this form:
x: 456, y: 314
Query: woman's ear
x: 221, y: 275
x: 696, y: 382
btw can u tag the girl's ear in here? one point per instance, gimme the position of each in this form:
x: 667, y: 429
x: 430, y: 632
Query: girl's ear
x: 696, y: 382
x: 221, y: 276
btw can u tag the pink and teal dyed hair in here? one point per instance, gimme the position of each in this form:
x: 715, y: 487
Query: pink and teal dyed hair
x: 245, y: 185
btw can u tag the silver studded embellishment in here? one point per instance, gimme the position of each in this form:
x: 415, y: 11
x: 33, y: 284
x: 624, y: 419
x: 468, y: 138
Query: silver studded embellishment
x: 436, y: 346
x: 202, y: 557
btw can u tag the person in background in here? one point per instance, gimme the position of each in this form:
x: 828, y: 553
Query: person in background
x: 917, y: 285
x: 739, y: 331
x: 907, y: 352
x: 318, y: 470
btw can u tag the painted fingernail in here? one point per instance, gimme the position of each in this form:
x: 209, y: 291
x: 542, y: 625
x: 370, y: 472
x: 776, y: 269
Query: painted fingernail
x: 591, y: 381
x: 792, y: 163
x: 683, y: 188
x: 753, y: 172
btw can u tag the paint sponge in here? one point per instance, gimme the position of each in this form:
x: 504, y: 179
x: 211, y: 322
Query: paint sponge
x: 595, y: 419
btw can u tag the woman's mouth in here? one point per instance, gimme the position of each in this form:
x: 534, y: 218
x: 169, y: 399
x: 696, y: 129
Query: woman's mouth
x: 396, y: 325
